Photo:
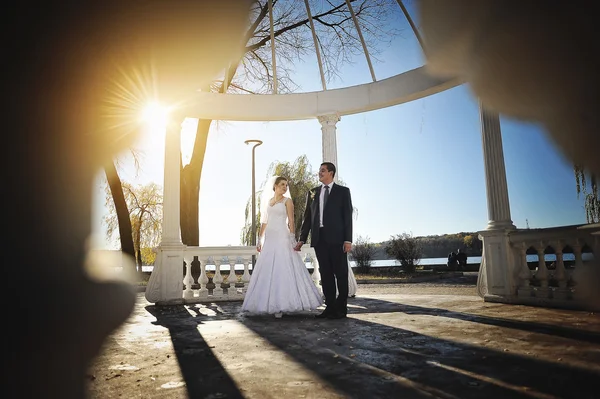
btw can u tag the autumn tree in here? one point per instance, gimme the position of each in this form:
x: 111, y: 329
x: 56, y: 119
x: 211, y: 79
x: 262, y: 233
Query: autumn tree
x: 253, y: 72
x: 144, y: 204
x: 473, y: 243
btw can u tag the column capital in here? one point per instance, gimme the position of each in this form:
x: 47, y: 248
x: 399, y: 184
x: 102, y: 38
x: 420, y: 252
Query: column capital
x: 329, y: 119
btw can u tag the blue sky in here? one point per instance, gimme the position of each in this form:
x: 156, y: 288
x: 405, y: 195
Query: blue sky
x: 416, y: 167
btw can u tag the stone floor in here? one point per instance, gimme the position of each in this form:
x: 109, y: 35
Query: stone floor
x: 423, y: 340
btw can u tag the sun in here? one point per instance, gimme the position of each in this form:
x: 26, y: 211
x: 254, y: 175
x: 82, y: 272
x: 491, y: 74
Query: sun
x: 155, y: 115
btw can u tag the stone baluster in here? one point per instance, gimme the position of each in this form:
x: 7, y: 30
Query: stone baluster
x: 577, y: 247
x: 559, y: 273
x: 316, y: 275
x: 524, y: 275
x: 542, y: 272
x: 232, y: 278
x: 246, y: 275
x: 188, y: 280
x: 579, y: 274
x: 585, y: 276
x: 203, y: 280
x: 218, y: 279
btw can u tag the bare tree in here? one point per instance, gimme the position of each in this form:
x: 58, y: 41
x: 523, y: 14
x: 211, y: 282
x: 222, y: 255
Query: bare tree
x: 120, y: 207
x: 144, y: 204
x: 253, y: 73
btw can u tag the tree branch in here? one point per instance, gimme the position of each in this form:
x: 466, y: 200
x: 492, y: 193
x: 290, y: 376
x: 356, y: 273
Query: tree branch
x: 281, y: 31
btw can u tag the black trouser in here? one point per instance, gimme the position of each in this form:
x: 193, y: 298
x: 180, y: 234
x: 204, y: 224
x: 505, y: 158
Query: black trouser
x: 333, y: 265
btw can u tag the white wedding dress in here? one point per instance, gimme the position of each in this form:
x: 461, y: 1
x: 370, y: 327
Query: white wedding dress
x: 280, y: 281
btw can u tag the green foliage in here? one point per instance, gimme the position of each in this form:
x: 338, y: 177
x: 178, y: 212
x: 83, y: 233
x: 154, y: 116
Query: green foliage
x: 363, y: 253
x: 589, y: 192
x: 301, y: 179
x: 406, y: 249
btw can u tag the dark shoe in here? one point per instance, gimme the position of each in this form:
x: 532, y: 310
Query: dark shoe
x: 336, y: 315
x: 324, y: 315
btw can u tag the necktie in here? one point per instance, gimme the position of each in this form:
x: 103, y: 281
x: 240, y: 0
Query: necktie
x: 325, y: 196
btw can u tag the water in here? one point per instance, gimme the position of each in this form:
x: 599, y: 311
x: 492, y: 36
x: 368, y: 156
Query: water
x: 423, y: 262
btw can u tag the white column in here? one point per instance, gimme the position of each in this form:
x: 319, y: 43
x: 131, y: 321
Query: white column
x: 172, y: 180
x: 495, y: 171
x: 498, y: 271
x: 165, y: 285
x: 329, y: 141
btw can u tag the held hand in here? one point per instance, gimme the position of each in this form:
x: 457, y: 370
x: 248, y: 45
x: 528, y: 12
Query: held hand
x: 298, y: 246
x: 347, y: 247
x: 258, y: 247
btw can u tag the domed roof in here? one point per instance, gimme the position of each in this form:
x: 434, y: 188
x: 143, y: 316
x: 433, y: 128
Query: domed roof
x: 307, y: 58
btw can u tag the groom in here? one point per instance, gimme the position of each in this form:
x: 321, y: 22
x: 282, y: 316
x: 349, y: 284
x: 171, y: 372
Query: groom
x: 328, y: 217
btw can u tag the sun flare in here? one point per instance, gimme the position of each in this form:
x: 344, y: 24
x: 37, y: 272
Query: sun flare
x: 155, y: 115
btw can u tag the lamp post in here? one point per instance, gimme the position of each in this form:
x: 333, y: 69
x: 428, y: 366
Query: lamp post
x: 256, y: 144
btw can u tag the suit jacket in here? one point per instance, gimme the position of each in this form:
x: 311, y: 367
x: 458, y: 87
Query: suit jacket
x: 337, y: 216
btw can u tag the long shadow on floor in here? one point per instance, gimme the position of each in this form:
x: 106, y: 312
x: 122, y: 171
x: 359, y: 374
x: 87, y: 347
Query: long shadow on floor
x: 203, y: 373
x: 370, y: 305
x: 364, y: 359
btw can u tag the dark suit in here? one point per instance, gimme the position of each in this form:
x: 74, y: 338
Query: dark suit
x: 328, y: 242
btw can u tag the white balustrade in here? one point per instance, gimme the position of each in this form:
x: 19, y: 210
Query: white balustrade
x: 216, y: 256
x: 556, y: 285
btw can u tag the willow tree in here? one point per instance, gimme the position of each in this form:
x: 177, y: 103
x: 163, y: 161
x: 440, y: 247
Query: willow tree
x: 252, y: 72
x: 589, y: 192
x: 300, y: 180
x: 144, y: 204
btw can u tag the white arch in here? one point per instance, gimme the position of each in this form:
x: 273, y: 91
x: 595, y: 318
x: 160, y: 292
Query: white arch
x: 399, y: 89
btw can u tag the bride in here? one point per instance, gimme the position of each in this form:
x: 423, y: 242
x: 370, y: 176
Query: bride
x: 280, y: 282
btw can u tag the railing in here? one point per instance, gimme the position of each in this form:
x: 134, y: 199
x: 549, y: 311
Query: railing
x: 196, y: 289
x: 560, y: 281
